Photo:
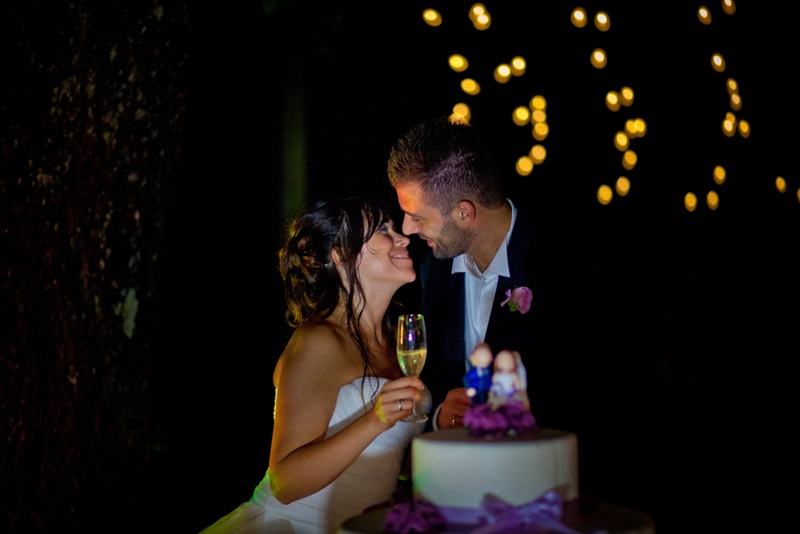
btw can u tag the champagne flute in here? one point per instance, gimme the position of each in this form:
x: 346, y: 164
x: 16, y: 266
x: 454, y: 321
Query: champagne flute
x: 412, y: 349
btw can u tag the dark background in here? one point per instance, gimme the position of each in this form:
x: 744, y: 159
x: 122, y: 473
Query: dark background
x: 161, y: 146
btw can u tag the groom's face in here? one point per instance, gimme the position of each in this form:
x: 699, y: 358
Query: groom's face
x: 442, y: 233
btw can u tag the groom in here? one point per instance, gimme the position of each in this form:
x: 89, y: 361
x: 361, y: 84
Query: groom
x: 489, y: 273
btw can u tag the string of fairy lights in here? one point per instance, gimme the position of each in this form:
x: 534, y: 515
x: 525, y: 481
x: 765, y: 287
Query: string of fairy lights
x: 533, y: 114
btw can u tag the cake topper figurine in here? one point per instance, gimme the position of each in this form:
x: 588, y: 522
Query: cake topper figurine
x: 503, y: 410
x: 509, y: 379
x: 478, y: 379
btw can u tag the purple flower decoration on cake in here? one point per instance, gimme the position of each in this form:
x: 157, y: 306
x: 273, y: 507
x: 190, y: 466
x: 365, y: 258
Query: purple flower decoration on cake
x: 518, y: 299
x: 413, y: 516
x: 511, y: 418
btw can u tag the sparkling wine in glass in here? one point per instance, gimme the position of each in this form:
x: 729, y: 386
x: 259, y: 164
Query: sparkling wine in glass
x: 412, y: 349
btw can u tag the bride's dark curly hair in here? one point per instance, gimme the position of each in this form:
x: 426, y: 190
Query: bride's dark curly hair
x: 312, y: 284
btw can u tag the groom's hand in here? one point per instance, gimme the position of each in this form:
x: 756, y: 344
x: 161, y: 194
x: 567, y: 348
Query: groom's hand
x: 452, y: 413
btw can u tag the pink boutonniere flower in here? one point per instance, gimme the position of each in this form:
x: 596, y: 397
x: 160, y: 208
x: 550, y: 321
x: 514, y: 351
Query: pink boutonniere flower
x: 518, y: 299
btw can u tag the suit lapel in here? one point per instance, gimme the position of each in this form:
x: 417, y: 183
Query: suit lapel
x: 444, y: 294
x: 501, y: 318
x: 455, y: 318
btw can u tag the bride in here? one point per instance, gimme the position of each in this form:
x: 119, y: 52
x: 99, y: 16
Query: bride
x: 337, y: 447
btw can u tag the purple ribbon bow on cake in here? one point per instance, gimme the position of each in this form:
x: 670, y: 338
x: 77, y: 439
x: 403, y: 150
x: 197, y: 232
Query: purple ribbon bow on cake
x: 542, y: 514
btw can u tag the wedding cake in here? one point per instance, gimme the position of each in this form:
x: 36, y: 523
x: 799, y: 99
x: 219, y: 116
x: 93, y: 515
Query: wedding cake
x: 459, y: 473
x: 501, y: 465
x: 500, y: 473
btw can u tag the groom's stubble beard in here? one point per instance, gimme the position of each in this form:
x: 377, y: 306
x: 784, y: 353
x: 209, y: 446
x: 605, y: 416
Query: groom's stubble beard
x: 453, y: 240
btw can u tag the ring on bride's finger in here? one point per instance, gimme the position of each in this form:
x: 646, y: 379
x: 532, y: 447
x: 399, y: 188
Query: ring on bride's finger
x: 453, y: 422
x: 400, y: 404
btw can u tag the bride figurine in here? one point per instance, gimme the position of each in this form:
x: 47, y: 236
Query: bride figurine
x: 509, y: 379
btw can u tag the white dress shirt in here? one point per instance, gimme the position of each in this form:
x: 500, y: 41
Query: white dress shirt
x: 479, y: 290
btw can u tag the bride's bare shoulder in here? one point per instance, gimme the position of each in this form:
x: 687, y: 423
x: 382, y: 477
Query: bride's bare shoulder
x: 313, y: 345
x: 315, y: 334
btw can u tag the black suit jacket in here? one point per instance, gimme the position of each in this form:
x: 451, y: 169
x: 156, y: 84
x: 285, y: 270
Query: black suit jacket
x: 531, y: 259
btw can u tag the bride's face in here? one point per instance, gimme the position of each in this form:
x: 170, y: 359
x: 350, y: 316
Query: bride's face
x: 384, y: 257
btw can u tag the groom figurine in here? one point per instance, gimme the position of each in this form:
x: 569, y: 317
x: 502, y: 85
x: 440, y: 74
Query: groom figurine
x: 478, y: 380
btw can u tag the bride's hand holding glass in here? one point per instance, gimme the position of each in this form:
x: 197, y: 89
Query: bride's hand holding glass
x: 397, y: 398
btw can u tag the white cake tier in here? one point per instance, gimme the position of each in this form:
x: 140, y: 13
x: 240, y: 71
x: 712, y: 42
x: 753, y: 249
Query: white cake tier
x: 455, y: 472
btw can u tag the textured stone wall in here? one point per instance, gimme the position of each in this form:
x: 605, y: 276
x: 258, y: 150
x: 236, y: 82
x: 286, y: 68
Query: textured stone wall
x: 91, y: 126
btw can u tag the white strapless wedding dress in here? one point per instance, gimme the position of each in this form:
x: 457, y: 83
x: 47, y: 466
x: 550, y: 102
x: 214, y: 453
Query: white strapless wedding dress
x: 369, y: 480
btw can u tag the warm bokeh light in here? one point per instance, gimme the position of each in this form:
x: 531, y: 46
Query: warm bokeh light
x: 518, y: 66
x: 704, y: 15
x: 729, y: 7
x: 780, y: 184
x: 524, y: 166
x: 621, y: 141
x: 539, y: 115
x: 712, y: 200
x: 630, y: 128
x: 598, y: 58
x: 623, y: 186
x: 729, y: 125
x: 458, y: 62
x: 521, y: 116
x: 719, y: 174
x: 612, y: 100
x: 470, y: 86
x: 461, y: 111
x: 479, y: 16
x: 535, y: 116
x: 476, y: 11
x: 601, y: 21
x: 432, y: 17
x: 744, y: 128
x: 626, y: 96
x: 690, y: 201
x: 604, y: 194
x: 483, y: 23
x: 538, y: 153
x: 578, y: 17
x: 502, y: 73
x: 540, y: 131
x: 718, y: 63
x: 629, y: 159
x: 798, y: 194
